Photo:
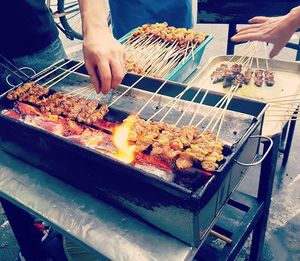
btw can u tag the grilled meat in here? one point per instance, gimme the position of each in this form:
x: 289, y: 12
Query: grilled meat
x: 247, y: 76
x: 238, y: 80
x: 219, y: 74
x: 29, y: 92
x: 269, y: 78
x: 165, y: 33
x: 259, y: 78
x: 60, y: 104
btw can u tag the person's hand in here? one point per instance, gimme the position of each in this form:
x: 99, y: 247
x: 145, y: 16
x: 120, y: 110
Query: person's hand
x: 276, y: 30
x: 104, y: 59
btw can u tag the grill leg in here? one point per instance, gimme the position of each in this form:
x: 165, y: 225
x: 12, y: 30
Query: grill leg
x: 289, y: 140
x: 230, y: 44
x: 28, y: 237
x: 264, y: 195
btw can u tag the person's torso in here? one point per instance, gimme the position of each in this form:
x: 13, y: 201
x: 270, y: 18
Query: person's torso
x: 129, y: 14
x: 26, y: 27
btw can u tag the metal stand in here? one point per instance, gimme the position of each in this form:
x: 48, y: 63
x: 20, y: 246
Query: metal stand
x: 287, y: 137
x: 27, y: 236
x: 244, y: 214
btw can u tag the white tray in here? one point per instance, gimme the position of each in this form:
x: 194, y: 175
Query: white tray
x: 287, y: 82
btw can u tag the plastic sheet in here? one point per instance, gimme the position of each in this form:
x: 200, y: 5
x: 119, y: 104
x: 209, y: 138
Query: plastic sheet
x: 94, y: 224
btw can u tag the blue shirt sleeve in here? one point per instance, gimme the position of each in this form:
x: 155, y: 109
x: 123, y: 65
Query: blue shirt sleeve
x: 129, y: 14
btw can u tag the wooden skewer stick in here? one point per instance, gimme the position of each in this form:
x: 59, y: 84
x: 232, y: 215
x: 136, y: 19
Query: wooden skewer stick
x: 257, y: 62
x: 52, y: 71
x: 188, y: 106
x: 231, y: 59
x: 185, y: 53
x: 266, y: 55
x: 63, y: 75
x: 281, y: 97
x: 284, y: 101
x: 295, y: 119
x: 90, y: 94
x: 113, y: 102
x: 219, y: 103
x: 279, y: 115
x: 80, y: 90
x: 224, y: 112
x: 193, y: 56
x: 176, y: 99
x: 220, y: 236
x: 226, y: 103
x: 282, y: 109
x: 198, y: 107
x: 248, y: 51
x: 151, y: 98
x: 167, y: 104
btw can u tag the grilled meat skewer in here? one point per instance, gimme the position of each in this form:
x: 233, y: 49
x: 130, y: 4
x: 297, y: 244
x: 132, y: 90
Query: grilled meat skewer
x: 29, y: 92
x: 259, y: 77
x: 183, y: 146
x: 269, y: 78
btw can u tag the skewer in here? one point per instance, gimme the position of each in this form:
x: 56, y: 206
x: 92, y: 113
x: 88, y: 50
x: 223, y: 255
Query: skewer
x: 282, y: 110
x: 177, y: 98
x: 226, y: 103
x: 230, y: 60
x: 295, y: 119
x: 153, y: 95
x: 283, y: 101
x: 193, y: 56
x: 279, y: 115
x: 89, y: 94
x: 188, y: 106
x: 64, y: 74
x: 266, y: 56
x: 79, y: 90
x: 286, y: 96
x: 52, y: 71
x: 249, y: 50
x: 220, y: 236
x: 224, y: 112
x: 198, y: 107
x: 185, y: 53
x: 257, y: 63
x: 219, y: 103
x: 167, y: 104
x: 119, y: 97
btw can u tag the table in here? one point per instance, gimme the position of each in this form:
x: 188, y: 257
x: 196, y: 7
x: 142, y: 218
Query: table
x: 117, y: 235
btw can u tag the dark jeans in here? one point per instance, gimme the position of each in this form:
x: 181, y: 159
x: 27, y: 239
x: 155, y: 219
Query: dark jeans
x: 28, y: 237
x: 37, y: 62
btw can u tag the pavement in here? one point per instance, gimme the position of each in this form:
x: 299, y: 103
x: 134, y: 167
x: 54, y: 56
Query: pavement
x: 283, y: 233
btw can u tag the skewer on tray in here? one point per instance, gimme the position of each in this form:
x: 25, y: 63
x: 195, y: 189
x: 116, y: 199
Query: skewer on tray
x: 241, y: 71
x: 156, y: 49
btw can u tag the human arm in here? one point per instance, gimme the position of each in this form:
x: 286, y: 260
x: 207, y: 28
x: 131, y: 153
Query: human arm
x: 104, y: 56
x: 275, y: 30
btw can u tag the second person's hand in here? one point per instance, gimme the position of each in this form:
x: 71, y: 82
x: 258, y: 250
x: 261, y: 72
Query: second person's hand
x: 275, y: 30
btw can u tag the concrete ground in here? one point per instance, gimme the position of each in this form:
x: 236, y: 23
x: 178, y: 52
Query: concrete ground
x: 283, y: 234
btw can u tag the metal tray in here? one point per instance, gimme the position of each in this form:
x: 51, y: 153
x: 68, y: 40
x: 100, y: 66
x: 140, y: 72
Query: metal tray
x: 183, y: 212
x: 183, y: 70
x: 287, y: 82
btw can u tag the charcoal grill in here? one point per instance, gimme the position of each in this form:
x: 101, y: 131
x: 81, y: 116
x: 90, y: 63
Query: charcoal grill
x: 184, y: 205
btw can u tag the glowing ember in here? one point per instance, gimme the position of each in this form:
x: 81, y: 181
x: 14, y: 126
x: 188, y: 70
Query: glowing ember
x: 125, y: 151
